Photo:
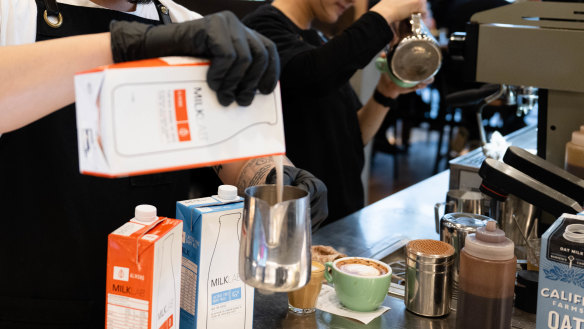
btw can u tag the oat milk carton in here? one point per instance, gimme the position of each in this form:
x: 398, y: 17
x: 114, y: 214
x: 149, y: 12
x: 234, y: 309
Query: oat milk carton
x: 212, y: 294
x: 560, y: 302
x: 143, y: 272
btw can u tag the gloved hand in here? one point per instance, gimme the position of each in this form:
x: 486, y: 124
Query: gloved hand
x: 314, y: 186
x: 242, y: 60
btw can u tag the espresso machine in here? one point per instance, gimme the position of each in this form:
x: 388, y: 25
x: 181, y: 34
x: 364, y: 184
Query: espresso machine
x: 535, y: 46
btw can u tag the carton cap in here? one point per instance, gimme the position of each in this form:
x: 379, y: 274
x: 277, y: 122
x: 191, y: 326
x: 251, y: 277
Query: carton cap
x: 145, y: 213
x: 227, y: 192
x: 490, y: 243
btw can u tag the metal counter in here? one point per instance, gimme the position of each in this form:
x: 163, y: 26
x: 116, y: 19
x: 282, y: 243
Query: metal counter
x: 376, y: 231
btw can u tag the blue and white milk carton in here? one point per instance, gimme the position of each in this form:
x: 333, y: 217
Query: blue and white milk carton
x: 560, y: 302
x: 212, y: 294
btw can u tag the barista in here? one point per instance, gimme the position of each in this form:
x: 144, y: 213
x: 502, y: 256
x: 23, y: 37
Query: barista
x: 326, y: 125
x: 55, y: 221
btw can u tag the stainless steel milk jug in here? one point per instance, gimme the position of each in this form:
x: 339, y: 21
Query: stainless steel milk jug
x: 417, y: 55
x: 462, y: 201
x: 274, y: 252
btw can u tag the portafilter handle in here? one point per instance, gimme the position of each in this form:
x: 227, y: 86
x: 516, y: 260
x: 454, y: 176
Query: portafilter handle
x: 546, y: 172
x: 500, y: 179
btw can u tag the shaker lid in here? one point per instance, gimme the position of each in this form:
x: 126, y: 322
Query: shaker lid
x: 489, y: 242
x: 429, y: 251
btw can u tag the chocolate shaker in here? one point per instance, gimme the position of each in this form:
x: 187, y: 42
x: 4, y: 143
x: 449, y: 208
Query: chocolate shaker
x: 486, y: 280
x: 428, y: 277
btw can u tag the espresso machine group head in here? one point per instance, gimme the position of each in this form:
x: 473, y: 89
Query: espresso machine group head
x: 532, y: 45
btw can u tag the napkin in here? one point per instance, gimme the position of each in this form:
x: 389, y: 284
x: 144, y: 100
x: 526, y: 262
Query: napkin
x: 497, y: 147
x: 328, y: 302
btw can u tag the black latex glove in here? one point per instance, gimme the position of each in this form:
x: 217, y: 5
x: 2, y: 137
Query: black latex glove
x: 242, y: 60
x: 314, y: 186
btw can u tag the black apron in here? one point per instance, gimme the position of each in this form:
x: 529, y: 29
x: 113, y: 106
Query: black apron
x: 55, y: 221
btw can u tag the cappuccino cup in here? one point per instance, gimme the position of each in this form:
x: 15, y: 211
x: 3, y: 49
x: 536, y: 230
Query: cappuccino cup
x: 360, y: 283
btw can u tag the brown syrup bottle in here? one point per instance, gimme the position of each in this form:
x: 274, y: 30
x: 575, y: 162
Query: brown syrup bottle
x: 486, y: 280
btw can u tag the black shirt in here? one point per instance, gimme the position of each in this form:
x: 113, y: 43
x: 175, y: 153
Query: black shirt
x: 320, y: 107
x: 56, y: 221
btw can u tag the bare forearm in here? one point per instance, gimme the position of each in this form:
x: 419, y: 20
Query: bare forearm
x: 371, y: 116
x: 38, y: 77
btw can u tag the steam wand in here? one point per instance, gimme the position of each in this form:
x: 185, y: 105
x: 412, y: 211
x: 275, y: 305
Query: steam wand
x: 480, y: 98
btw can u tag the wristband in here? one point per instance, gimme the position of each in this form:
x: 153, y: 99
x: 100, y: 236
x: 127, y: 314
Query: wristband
x: 383, y: 100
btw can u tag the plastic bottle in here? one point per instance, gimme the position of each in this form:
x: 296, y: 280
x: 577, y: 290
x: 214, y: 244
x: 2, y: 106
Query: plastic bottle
x: 574, y: 160
x: 486, y: 280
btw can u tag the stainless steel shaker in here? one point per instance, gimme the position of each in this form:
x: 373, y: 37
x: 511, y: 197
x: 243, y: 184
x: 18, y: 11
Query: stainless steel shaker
x: 428, y: 277
x: 274, y: 251
x: 454, y: 228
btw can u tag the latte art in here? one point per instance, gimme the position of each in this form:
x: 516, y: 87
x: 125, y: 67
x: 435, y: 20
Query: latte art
x: 361, y: 267
x: 360, y: 283
x: 360, y: 270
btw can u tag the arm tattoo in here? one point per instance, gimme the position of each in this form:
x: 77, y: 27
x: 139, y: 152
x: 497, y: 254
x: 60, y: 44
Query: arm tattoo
x: 254, y: 172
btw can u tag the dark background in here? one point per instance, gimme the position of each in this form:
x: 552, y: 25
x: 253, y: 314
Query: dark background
x: 239, y: 7
x: 243, y: 7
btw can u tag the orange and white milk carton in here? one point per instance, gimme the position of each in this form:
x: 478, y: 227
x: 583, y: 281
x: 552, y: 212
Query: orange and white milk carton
x: 144, y: 272
x: 160, y: 115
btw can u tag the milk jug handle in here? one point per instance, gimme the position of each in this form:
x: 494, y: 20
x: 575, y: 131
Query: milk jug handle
x: 416, y: 21
x: 437, y: 215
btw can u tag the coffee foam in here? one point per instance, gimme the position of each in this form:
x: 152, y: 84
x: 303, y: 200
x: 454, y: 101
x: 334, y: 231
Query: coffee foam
x: 360, y: 270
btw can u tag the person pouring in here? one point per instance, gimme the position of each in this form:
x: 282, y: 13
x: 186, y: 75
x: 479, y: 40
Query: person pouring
x: 326, y: 126
x: 55, y: 221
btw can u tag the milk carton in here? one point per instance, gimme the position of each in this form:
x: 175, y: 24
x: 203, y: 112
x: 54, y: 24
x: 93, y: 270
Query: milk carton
x: 159, y: 115
x: 143, y: 272
x: 560, y: 302
x: 212, y: 294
